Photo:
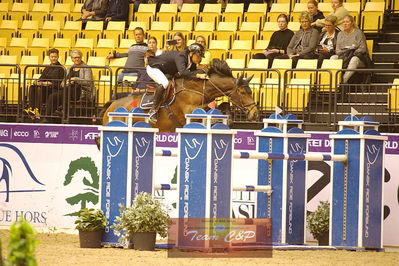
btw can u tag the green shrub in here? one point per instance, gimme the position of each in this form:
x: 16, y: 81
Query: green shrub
x: 21, y: 247
x: 90, y: 220
x: 318, y: 221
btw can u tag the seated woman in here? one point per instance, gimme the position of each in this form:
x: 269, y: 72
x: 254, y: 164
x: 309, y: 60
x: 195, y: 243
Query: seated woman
x: 351, y: 47
x: 153, y: 46
x: 303, y: 42
x: 175, y: 63
x: 315, y: 12
x: 94, y: 10
x: 207, y: 56
x: 49, y: 82
x: 79, y: 83
x: 178, y: 43
x: 338, y: 10
x: 327, y: 42
x: 278, y: 42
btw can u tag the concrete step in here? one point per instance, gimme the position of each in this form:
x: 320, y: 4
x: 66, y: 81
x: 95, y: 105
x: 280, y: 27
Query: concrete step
x: 387, y: 47
x: 391, y: 57
x: 392, y: 37
x: 385, y: 65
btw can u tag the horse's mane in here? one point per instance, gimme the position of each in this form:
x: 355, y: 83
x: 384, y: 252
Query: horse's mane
x: 220, y: 67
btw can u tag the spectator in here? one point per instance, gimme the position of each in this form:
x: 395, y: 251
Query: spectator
x: 153, y: 46
x: 303, y: 42
x: 118, y: 10
x: 351, y: 47
x: 207, y: 57
x: 135, y: 55
x: 94, y: 10
x: 327, y: 41
x: 338, y: 10
x: 49, y: 82
x: 315, y: 12
x: 278, y: 42
x: 177, y: 44
x: 180, y: 2
x: 79, y: 84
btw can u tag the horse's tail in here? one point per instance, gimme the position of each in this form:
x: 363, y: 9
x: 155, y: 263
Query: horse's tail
x: 105, y: 107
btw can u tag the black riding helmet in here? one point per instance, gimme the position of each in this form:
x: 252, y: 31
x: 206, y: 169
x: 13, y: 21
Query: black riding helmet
x: 197, y: 48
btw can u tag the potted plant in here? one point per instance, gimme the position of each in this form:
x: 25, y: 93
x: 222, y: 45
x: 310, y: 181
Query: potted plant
x: 146, y: 218
x: 91, y: 224
x: 318, y: 223
x: 22, y: 244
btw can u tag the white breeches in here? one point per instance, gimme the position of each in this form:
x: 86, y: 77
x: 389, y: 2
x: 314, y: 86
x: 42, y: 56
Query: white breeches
x: 158, y: 76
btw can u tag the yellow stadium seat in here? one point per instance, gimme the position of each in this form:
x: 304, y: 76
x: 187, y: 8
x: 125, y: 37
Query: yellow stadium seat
x: 29, y: 29
x: 354, y: 10
x: 61, y: 12
x: 69, y: 62
x: 12, y: 94
x: 260, y: 45
x: 98, y: 62
x: 18, y: 47
x: 104, y: 47
x: 72, y: 30
x: 268, y: 30
x: 281, y: 65
x: 93, y: 30
x: 189, y: 13
x: 211, y: 13
x: 270, y: 94
x: 77, y: 11
x: 241, y: 49
x: 372, y: 16
x: 50, y: 30
x: 104, y: 89
x: 64, y: 46
x: 125, y: 45
x: 159, y: 30
x: 297, y: 94
x: 393, y: 97
x: 40, y: 12
x: 276, y: 10
x: 325, y: 7
x: 236, y: 64
x: 219, y: 48
x: 3, y: 45
x: 85, y: 46
x: 294, y: 26
x: 324, y: 78
x: 19, y: 11
x: 183, y: 27
x: 306, y: 64
x: 29, y: 60
x: 256, y: 13
x: 145, y: 13
x: 167, y: 13
x: 8, y: 29
x: 39, y: 48
x: 8, y: 59
x: 226, y: 31
x: 248, y: 31
x: 233, y: 13
x: 4, y: 8
x: 257, y: 64
x: 115, y: 30
x: 205, y: 29
x: 298, y: 8
x: 115, y: 63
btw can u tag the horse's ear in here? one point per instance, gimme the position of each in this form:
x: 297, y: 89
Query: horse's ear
x: 239, y: 80
x: 249, y: 79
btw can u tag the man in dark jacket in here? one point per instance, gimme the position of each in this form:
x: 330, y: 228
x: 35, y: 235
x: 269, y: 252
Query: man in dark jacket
x: 174, y: 63
x: 118, y: 10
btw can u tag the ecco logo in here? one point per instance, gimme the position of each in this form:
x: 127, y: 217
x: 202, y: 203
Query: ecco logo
x: 21, y: 134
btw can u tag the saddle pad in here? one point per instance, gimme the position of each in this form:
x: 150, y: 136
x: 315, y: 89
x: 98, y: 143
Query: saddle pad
x: 147, y: 100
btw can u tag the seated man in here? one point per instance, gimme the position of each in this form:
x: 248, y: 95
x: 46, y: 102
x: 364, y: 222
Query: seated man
x: 49, y: 82
x: 118, y: 10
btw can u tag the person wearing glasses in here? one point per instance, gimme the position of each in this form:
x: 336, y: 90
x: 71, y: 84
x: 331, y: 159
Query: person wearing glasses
x: 304, y: 41
x: 79, y: 83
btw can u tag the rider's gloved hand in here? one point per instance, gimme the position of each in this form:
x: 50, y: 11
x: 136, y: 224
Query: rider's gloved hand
x: 202, y: 76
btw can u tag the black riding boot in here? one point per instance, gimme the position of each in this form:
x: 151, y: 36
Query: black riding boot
x: 159, y: 92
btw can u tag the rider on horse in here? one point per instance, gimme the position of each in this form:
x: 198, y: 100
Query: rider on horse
x: 174, y: 63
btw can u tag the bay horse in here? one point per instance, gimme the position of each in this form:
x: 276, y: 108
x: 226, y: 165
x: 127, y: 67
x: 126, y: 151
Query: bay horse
x: 193, y: 93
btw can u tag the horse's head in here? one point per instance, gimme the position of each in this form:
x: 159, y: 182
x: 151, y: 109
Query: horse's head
x: 241, y: 96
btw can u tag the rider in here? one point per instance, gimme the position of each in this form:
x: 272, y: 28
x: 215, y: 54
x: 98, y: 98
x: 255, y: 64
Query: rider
x: 175, y: 63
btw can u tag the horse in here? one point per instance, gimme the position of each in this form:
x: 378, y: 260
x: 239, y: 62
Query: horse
x: 194, y: 93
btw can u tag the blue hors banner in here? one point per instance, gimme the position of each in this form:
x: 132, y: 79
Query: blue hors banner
x: 193, y: 158
x: 142, y: 162
x: 221, y: 160
x: 296, y: 181
x: 372, y: 198
x: 114, y: 179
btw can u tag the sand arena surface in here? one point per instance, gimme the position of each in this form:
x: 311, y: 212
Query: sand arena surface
x: 63, y: 249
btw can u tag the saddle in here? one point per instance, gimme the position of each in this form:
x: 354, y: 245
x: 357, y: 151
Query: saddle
x: 147, y: 99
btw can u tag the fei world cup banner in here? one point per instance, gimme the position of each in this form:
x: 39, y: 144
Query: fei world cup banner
x: 49, y: 172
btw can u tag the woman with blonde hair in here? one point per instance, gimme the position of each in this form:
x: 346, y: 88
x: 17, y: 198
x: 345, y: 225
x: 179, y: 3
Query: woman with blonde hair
x: 303, y: 42
x: 178, y: 42
x: 207, y: 57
